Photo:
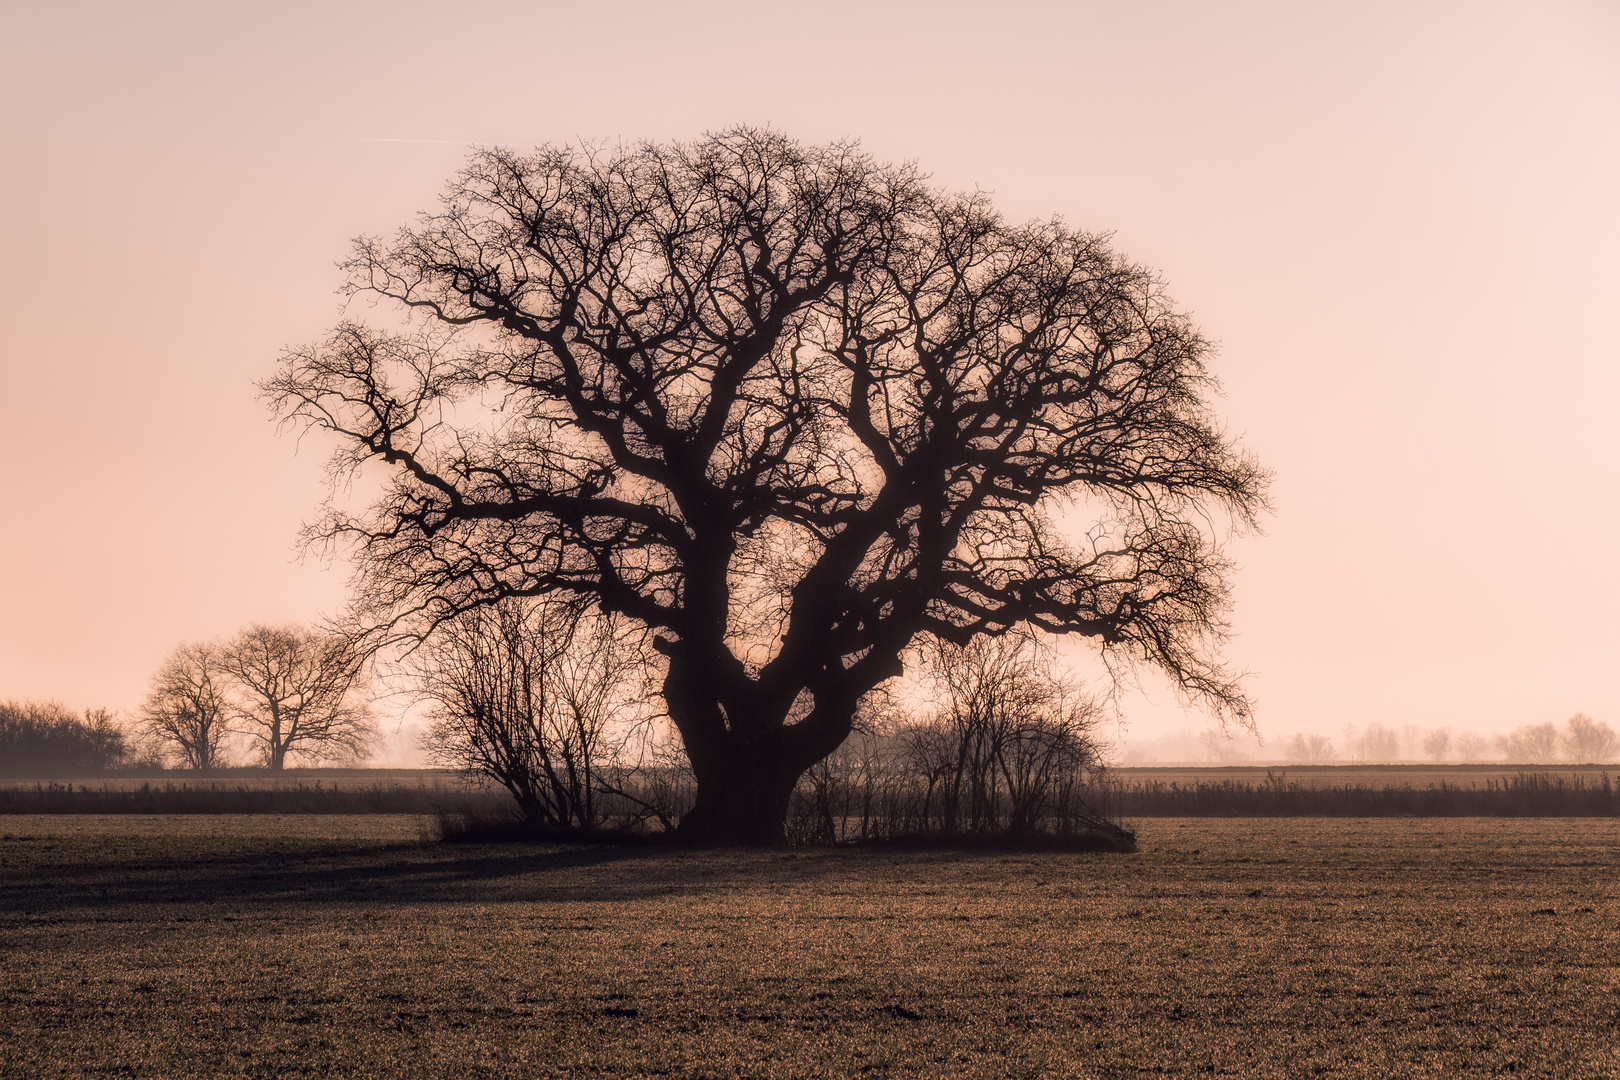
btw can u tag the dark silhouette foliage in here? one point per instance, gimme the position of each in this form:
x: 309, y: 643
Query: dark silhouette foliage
x: 790, y: 410
x: 189, y: 709
x: 294, y: 691
x: 42, y: 739
x: 539, y: 698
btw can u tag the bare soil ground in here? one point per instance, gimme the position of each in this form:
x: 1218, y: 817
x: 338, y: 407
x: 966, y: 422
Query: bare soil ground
x: 221, y: 946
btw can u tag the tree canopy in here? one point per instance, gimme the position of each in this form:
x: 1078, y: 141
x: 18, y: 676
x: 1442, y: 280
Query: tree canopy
x: 788, y: 409
x: 294, y: 692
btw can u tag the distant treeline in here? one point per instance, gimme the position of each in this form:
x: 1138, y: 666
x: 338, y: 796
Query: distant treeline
x: 217, y: 798
x: 45, y: 739
x: 1523, y: 795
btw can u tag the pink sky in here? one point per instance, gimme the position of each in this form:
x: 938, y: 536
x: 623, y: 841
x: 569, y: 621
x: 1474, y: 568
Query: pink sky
x: 1400, y: 220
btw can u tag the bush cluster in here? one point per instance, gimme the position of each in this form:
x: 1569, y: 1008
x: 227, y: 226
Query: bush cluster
x: 947, y: 776
x: 41, y: 739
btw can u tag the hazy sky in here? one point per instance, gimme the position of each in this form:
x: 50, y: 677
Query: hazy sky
x: 1400, y: 220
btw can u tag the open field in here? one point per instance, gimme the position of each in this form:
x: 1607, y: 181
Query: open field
x: 223, y: 946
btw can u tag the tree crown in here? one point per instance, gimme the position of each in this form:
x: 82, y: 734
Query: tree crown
x: 785, y: 406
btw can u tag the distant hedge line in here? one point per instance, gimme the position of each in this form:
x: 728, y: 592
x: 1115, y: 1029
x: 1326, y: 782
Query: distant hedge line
x: 216, y: 798
x: 1523, y: 795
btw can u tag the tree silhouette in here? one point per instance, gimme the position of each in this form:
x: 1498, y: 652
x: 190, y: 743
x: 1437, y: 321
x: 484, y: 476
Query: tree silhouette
x: 1532, y: 744
x: 1588, y: 740
x: 294, y: 692
x: 789, y: 409
x: 41, y: 739
x: 188, y: 709
x: 526, y: 693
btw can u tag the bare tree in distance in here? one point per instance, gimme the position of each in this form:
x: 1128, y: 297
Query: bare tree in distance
x: 295, y: 691
x: 43, y: 739
x: 1472, y: 748
x: 1590, y: 742
x: 1437, y: 744
x: 188, y: 710
x: 1310, y: 749
x: 528, y: 693
x: 790, y: 410
x: 1376, y: 744
x: 1532, y: 744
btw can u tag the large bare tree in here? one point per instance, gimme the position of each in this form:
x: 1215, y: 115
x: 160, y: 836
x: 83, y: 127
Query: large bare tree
x: 188, y: 709
x: 789, y: 409
x: 295, y: 692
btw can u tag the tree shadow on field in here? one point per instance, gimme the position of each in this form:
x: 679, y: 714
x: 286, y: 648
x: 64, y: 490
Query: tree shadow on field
x: 358, y: 874
x: 46, y: 875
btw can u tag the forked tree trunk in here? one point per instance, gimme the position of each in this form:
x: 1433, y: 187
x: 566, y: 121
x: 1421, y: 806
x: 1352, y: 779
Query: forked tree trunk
x: 276, y: 751
x: 744, y: 754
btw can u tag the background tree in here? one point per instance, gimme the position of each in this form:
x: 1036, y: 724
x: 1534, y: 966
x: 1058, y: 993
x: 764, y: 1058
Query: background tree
x: 790, y: 410
x: 1589, y: 741
x: 1472, y: 747
x: 1375, y: 744
x: 295, y: 691
x: 528, y: 693
x: 1437, y: 744
x: 188, y: 710
x: 1532, y: 744
x: 1304, y: 749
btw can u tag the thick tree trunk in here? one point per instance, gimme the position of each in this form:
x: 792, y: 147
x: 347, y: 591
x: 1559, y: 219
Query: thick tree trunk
x: 744, y: 754
x: 742, y: 795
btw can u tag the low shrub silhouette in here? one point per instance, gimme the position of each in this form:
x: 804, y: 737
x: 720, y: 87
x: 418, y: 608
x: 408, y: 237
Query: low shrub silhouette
x: 221, y: 798
x: 42, y: 739
x: 1527, y: 794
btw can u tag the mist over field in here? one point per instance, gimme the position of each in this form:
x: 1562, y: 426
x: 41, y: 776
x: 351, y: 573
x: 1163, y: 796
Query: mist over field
x: 1581, y: 740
